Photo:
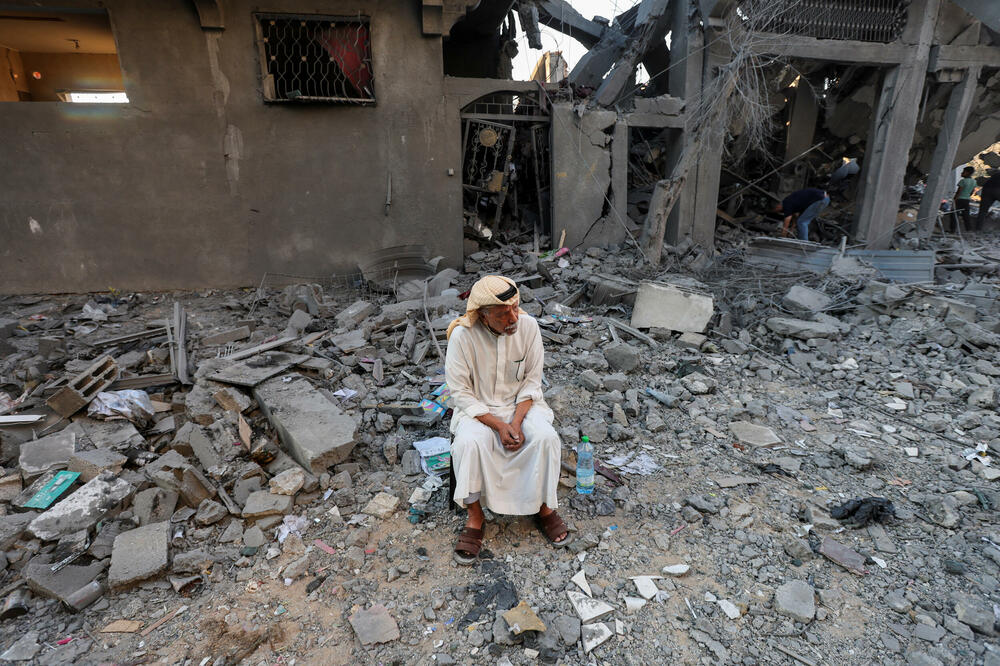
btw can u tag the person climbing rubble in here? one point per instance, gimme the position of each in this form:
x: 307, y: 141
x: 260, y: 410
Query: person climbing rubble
x: 505, y: 451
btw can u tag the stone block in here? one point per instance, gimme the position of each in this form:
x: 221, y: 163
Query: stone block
x: 139, y: 554
x: 382, y: 505
x: 190, y: 485
x: 91, y: 463
x: 795, y: 599
x: 83, y: 508
x: 671, y: 307
x: 81, y: 389
x: 802, y: 329
x: 314, y: 431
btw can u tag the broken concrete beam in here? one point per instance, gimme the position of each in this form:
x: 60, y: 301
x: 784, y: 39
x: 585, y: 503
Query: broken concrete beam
x: 805, y: 301
x: 91, y: 463
x: 82, y: 509
x: 355, y: 313
x: 197, y: 440
x: 312, y: 429
x: 139, y: 554
x: 61, y: 584
x: 395, y: 313
x: 611, y: 290
x: 46, y: 454
x: 669, y: 306
x: 232, y: 335
x: 80, y: 390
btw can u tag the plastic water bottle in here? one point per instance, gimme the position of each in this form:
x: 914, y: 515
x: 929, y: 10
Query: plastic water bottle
x: 585, y: 467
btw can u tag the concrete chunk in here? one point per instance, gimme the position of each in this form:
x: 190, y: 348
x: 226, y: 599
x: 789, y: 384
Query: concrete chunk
x: 351, y: 316
x: 91, y: 463
x: 804, y: 301
x: 154, y: 505
x: 795, y: 599
x: 83, y: 508
x: 59, y: 584
x: 47, y: 453
x: 12, y: 526
x: 312, y: 429
x: 754, y: 435
x: 589, y: 610
x: 139, y: 554
x: 263, y: 503
x: 374, y: 625
x: 801, y: 329
x: 382, y: 505
x: 671, y: 307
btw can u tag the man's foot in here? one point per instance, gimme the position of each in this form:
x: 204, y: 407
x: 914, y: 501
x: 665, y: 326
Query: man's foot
x: 470, y: 542
x: 553, y: 527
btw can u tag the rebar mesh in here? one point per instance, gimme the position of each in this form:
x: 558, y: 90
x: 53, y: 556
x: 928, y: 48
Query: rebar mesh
x: 861, y: 20
x: 316, y: 59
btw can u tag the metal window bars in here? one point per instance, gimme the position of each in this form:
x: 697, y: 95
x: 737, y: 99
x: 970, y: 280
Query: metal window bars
x: 860, y: 20
x: 315, y: 58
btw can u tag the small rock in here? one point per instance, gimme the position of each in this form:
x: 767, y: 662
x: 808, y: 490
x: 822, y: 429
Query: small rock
x: 795, y: 599
x: 210, y: 512
x: 288, y: 482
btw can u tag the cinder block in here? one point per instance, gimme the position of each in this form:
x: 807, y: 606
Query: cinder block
x: 84, y: 387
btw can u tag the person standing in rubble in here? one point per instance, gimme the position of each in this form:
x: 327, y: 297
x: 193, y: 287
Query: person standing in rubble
x: 505, y: 452
x: 963, y: 197
x: 989, y: 194
x: 803, y: 206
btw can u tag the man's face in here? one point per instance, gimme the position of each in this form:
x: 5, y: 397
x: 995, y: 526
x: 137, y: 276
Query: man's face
x: 501, y: 319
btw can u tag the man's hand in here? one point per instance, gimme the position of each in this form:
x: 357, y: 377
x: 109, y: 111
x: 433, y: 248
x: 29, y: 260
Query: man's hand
x: 510, y: 437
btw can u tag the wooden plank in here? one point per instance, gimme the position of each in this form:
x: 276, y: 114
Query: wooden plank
x: 20, y: 419
x: 180, y: 339
x: 143, y: 381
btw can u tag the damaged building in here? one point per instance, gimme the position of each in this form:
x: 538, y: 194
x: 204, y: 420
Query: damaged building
x: 293, y: 140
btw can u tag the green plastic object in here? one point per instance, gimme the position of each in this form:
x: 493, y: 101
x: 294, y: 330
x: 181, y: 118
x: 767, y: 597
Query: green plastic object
x: 51, y: 491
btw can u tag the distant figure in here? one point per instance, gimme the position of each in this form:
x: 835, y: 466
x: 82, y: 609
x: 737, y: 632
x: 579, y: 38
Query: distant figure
x: 803, y: 205
x: 963, y: 197
x: 989, y: 194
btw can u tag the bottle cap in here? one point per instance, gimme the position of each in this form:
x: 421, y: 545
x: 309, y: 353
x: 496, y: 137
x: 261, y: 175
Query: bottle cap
x: 585, y: 439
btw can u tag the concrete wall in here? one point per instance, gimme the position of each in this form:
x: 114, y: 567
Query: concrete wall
x: 70, y: 71
x: 196, y: 182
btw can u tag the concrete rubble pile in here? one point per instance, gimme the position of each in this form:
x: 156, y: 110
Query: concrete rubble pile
x: 276, y: 502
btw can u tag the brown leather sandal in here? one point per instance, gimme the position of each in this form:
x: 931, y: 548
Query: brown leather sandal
x: 552, y: 526
x: 470, y: 542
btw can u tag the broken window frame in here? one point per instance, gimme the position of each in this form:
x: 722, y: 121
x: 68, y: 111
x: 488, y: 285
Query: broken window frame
x: 267, y: 86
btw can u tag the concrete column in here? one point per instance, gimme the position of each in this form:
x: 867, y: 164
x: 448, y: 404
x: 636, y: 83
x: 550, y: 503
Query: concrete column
x: 802, y: 122
x: 687, y: 60
x: 891, y: 135
x: 941, y: 180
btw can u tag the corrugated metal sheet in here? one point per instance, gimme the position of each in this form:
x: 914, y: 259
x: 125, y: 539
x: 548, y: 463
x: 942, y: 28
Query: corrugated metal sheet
x: 905, y: 266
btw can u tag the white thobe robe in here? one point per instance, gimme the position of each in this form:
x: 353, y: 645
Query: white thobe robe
x: 492, y: 374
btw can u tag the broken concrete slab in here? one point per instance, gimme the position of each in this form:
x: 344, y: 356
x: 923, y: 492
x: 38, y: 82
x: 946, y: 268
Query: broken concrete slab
x: 374, y: 625
x: 139, y: 554
x: 60, y: 584
x: 232, y: 400
x: 196, y: 439
x: 313, y: 430
x: 12, y: 526
x: 805, y: 301
x: 802, y: 329
x: 262, y: 503
x: 594, y: 635
x: 221, y: 338
x: 25, y: 648
x: 83, y: 508
x: 355, y: 313
x: 589, y: 610
x: 753, y: 434
x: 671, y: 307
x: 45, y: 454
x: 154, y: 505
x: 255, y: 370
x: 846, y: 557
x: 91, y: 463
x: 795, y: 599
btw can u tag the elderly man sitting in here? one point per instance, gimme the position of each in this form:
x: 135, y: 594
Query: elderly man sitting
x: 505, y: 452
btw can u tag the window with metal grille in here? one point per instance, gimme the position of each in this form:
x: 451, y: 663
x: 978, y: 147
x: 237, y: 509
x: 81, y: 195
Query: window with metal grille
x: 861, y: 20
x: 315, y: 58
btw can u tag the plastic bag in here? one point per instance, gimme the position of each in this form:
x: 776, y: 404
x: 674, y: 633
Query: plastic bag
x: 133, y: 405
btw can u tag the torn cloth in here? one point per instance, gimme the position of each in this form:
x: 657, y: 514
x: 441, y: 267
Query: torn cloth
x: 487, y: 291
